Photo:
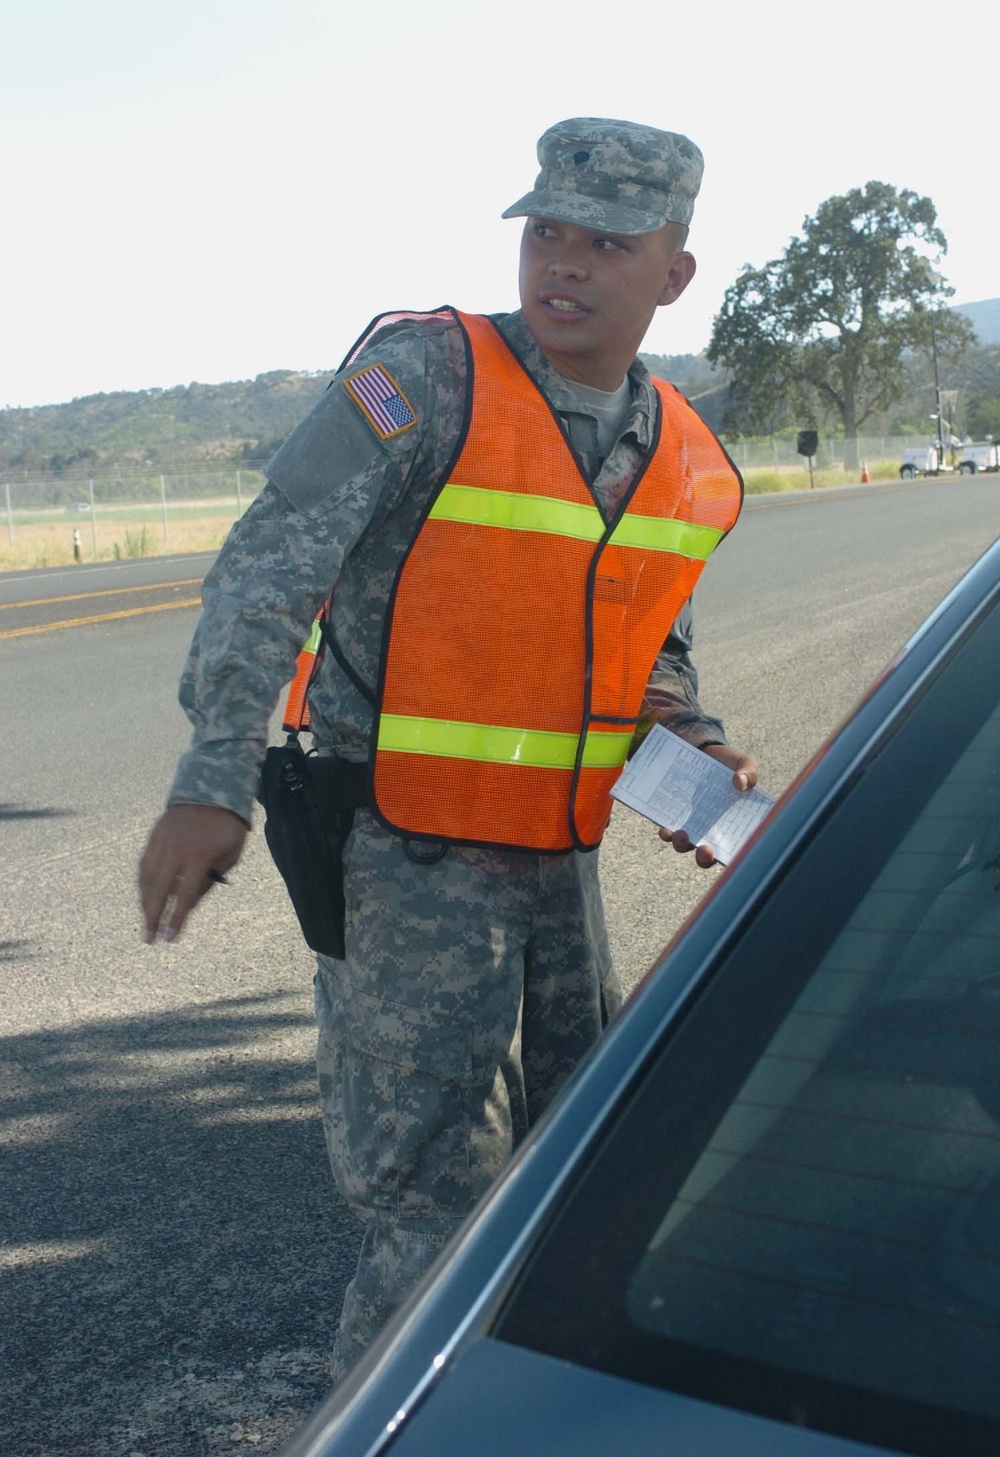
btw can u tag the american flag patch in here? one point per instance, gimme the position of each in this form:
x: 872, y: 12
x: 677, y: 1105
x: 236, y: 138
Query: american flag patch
x: 382, y: 401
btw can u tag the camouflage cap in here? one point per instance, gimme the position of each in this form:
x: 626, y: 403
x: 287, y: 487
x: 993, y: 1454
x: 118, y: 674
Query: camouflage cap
x: 616, y: 175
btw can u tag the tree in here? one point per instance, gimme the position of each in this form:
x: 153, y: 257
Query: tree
x: 821, y: 331
x: 983, y: 416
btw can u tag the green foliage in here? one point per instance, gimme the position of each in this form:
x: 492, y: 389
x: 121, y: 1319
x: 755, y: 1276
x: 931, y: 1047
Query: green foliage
x: 138, y: 543
x: 819, y: 333
x: 982, y: 417
x: 911, y: 424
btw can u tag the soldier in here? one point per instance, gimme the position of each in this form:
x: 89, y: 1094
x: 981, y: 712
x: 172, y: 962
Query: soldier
x: 513, y: 516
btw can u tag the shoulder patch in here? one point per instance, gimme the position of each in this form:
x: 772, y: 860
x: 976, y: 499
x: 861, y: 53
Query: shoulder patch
x: 381, y: 401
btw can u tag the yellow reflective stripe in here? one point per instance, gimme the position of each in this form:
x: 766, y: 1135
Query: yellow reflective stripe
x: 496, y: 745
x: 312, y: 642
x: 658, y: 533
x: 517, y: 512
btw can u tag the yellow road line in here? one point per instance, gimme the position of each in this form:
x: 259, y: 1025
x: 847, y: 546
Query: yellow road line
x: 101, y: 617
x: 104, y: 592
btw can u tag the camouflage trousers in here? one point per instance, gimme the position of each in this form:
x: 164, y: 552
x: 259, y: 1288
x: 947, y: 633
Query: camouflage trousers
x: 471, y: 989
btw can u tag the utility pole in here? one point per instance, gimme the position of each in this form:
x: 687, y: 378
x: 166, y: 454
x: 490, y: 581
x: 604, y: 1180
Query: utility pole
x: 937, y: 282
x: 937, y: 399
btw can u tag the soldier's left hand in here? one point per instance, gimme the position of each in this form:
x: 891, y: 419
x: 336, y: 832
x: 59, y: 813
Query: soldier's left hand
x: 744, y: 771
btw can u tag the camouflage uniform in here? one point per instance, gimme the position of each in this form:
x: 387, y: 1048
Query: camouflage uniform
x: 473, y: 985
x: 474, y: 980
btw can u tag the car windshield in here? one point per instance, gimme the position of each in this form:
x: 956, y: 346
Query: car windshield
x: 798, y: 1214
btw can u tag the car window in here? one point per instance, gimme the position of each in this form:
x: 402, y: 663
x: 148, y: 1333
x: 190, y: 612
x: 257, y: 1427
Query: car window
x: 798, y: 1213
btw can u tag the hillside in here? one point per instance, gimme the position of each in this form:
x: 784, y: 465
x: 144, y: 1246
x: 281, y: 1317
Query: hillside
x: 240, y: 422
x: 985, y: 318
x: 243, y: 422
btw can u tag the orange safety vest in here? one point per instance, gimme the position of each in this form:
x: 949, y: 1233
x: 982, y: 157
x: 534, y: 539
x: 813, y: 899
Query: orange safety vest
x: 522, y: 627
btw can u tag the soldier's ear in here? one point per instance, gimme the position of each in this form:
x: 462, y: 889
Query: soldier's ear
x: 682, y: 270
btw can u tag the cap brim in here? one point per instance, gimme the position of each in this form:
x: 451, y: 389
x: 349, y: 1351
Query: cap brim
x: 597, y: 214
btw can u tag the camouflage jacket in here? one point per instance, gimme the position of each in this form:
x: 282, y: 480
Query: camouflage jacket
x: 342, y: 502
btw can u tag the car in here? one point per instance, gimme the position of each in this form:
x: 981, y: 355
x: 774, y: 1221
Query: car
x: 76, y: 507
x: 764, y: 1215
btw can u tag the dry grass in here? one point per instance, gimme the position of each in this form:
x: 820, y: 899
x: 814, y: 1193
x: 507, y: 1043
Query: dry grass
x: 45, y: 538
x: 796, y: 477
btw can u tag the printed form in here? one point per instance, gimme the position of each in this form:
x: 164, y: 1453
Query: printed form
x: 682, y: 788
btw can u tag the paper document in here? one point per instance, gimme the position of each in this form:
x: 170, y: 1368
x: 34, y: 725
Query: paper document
x: 682, y: 788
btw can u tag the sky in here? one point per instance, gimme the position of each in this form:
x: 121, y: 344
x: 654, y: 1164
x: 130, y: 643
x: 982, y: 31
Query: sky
x: 208, y: 190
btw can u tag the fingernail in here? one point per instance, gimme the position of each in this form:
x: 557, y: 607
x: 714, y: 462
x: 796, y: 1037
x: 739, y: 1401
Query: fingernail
x: 742, y: 780
x: 169, y: 933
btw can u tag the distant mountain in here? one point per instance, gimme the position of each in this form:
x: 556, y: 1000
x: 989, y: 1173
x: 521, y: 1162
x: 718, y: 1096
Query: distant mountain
x: 985, y: 318
x: 209, y: 427
x: 240, y: 422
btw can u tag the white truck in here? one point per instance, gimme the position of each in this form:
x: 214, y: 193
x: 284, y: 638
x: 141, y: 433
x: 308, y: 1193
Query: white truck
x: 979, y: 456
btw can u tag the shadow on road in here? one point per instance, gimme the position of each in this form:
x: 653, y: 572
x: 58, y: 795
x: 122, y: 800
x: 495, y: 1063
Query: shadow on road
x: 14, y: 951
x: 174, y: 1251
x: 26, y: 812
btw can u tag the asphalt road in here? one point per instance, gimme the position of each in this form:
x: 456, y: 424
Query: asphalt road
x: 173, y: 1252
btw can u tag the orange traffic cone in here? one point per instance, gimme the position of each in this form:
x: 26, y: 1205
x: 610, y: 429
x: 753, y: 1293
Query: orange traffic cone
x: 865, y: 477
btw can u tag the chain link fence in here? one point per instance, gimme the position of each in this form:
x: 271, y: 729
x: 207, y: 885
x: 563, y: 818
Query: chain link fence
x: 777, y: 453
x: 51, y: 520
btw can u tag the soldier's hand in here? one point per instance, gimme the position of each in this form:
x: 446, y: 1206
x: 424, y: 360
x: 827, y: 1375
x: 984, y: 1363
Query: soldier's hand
x: 190, y: 847
x: 744, y: 771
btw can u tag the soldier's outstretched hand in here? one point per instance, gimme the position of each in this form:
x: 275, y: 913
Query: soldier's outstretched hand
x: 190, y: 849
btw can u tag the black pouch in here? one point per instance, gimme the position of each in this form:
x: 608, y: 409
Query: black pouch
x: 309, y: 802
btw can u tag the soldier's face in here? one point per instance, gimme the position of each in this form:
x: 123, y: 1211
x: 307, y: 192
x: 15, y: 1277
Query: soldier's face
x: 589, y: 297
